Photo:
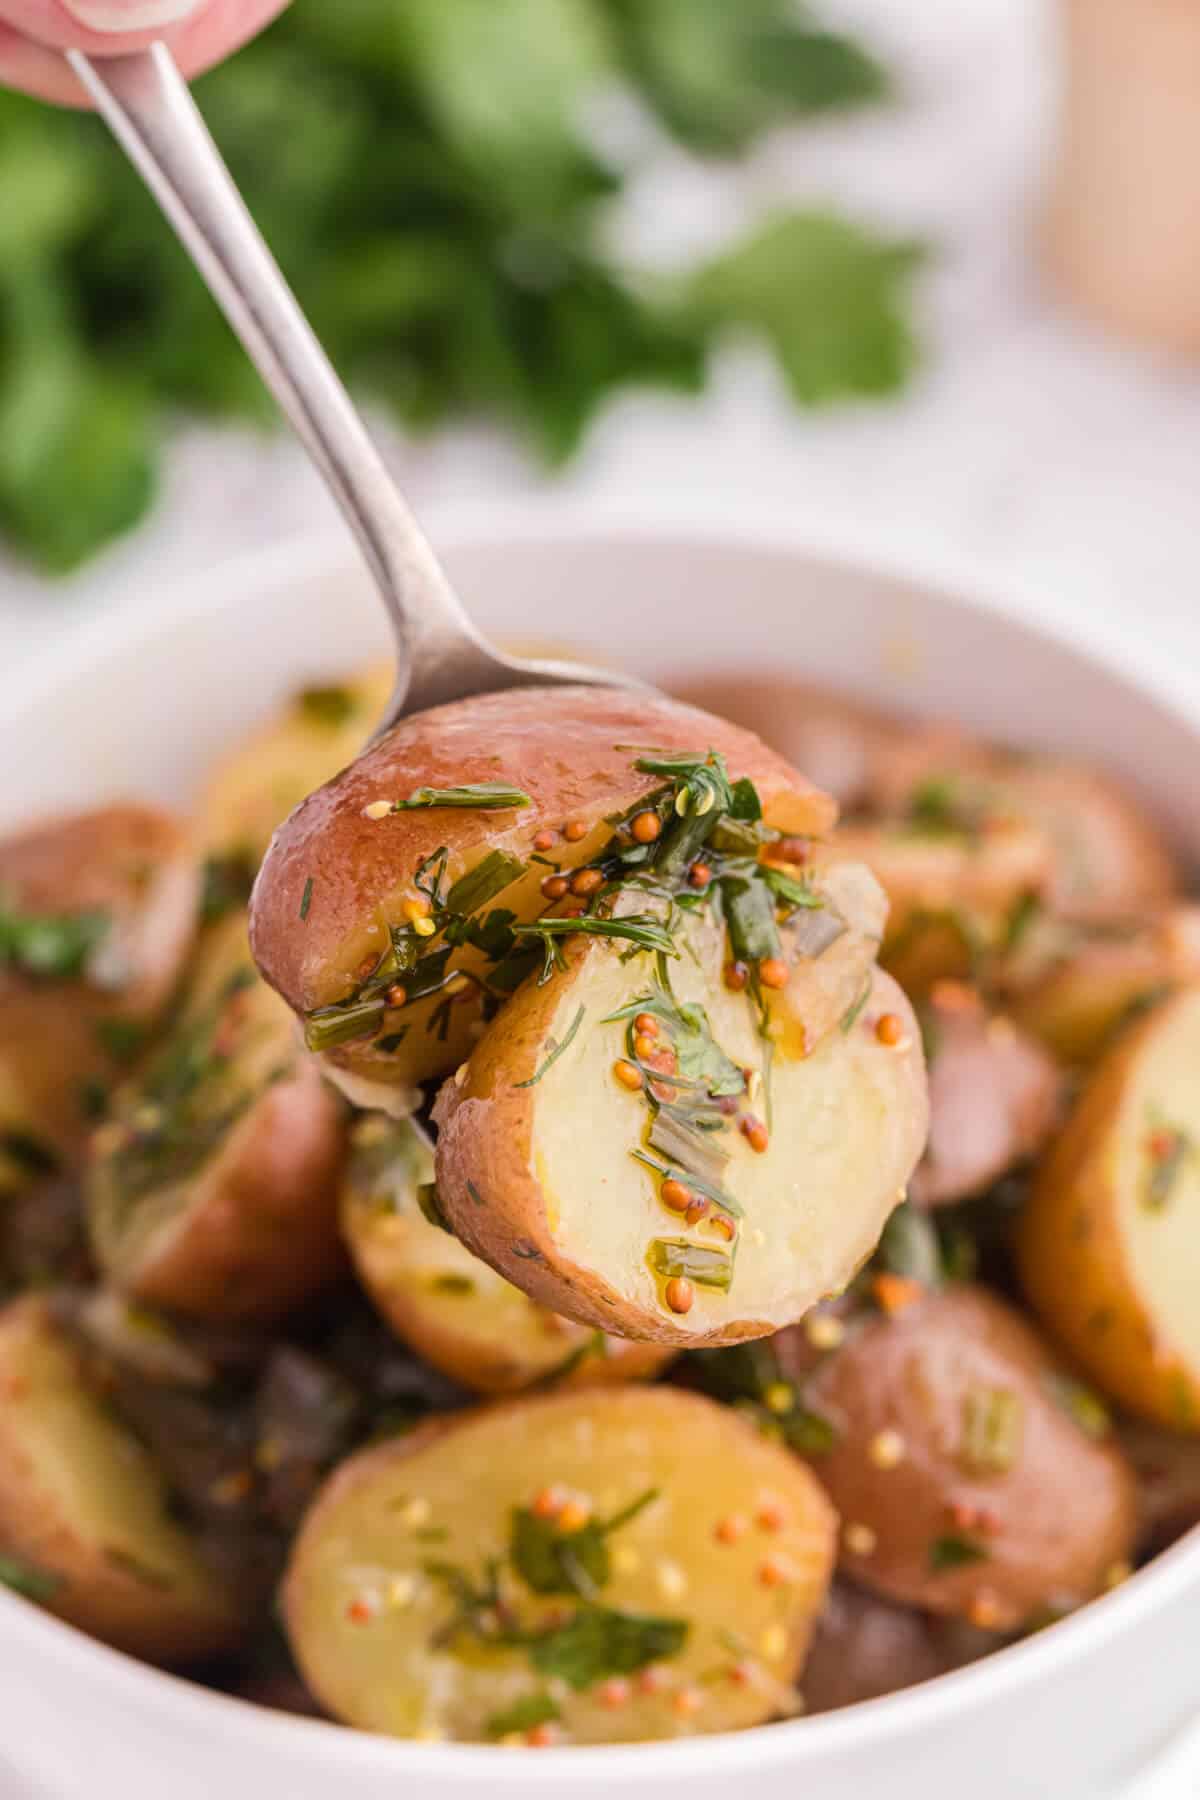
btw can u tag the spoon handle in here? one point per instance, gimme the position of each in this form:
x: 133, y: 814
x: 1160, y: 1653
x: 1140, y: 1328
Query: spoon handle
x: 147, y: 105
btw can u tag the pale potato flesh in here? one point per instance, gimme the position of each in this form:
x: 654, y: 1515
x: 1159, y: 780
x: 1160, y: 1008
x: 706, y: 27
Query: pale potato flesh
x: 453, y: 1309
x: 82, y: 1503
x: 367, y: 1619
x: 542, y: 1179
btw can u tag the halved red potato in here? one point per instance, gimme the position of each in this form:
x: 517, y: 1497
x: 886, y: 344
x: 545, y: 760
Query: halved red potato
x: 378, y: 926
x: 321, y: 729
x: 952, y: 896
x: 603, y: 1567
x: 453, y: 1309
x: 1109, y: 1242
x: 716, y: 1207
x: 964, y: 1484
x: 839, y: 743
x: 994, y: 1097
x: 1081, y: 1000
x: 97, y: 915
x: 213, y: 1188
x: 86, y: 1525
x: 865, y: 1647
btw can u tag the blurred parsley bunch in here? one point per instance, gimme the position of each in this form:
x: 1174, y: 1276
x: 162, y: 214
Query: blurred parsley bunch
x: 419, y: 168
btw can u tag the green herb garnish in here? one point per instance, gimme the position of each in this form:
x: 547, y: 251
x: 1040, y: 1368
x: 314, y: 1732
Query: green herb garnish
x: 555, y: 1051
x: 673, y: 1257
x: 306, y: 899
x: 523, y: 1715
x: 51, y: 948
x: 481, y: 796
x: 993, y: 1427
x: 122, y: 1039
x: 32, y: 1584
x: 909, y: 1246
x: 640, y: 929
x: 226, y: 882
x: 490, y: 876
x: 954, y: 1551
x: 599, y: 1642
x: 328, y: 1026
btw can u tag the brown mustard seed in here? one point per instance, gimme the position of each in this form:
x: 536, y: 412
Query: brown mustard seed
x: 544, y: 840
x: 628, y: 1075
x: 646, y: 1025
x: 645, y: 827
x: 775, y: 1571
x: 731, y: 1528
x: 574, y: 1516
x: 890, y: 1029
x: 587, y: 881
x: 770, y: 1516
x: 724, y: 1225
x: 699, y: 1209
x: 755, y: 1133
x: 540, y: 1737
x: 574, y: 830
x: 699, y: 875
x: 614, y: 1692
x: 396, y: 995
x: 773, y: 972
x: 555, y: 886
x: 643, y: 1046
x: 675, y: 1195
x: 736, y: 977
x: 680, y: 1294
x: 687, y: 1702
x: 548, y: 1503
x: 652, y: 1680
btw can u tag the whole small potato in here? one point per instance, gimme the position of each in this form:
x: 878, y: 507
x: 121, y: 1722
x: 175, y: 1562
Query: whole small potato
x: 321, y: 729
x: 97, y: 915
x: 600, y: 1567
x: 1109, y: 1243
x: 453, y: 1309
x: 964, y: 1484
x: 86, y: 1524
x: 994, y: 1097
x: 212, y: 1190
x: 387, y: 931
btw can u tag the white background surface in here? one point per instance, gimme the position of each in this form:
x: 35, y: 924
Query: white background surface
x: 1066, y: 461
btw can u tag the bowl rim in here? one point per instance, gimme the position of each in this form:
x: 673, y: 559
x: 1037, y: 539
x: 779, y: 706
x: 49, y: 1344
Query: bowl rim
x: 951, y: 577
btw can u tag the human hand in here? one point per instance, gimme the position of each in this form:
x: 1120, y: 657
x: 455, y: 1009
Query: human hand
x: 34, y: 33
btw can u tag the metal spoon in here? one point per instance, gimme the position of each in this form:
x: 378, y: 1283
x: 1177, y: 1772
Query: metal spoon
x: 440, y: 655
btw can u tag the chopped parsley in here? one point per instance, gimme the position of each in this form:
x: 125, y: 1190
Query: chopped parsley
x: 523, y: 1715
x: 51, y: 947
x: 599, y: 1642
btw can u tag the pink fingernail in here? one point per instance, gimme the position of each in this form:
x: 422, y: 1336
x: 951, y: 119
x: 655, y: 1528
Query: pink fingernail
x: 135, y: 15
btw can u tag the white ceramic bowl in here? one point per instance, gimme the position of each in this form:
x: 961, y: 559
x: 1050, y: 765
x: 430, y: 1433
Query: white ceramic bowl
x: 141, y: 704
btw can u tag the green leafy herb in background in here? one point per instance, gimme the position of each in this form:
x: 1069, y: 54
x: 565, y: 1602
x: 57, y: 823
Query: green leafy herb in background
x: 421, y: 169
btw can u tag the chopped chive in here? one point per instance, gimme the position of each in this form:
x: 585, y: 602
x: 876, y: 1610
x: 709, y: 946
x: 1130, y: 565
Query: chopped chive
x: 306, y: 900
x: 486, y: 796
x: 496, y: 871
x: 555, y: 1051
x: 674, y: 1257
x: 329, y: 1026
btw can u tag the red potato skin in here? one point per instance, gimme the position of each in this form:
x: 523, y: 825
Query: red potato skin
x: 865, y: 1647
x: 561, y: 746
x: 994, y: 1098
x: 1055, y: 1525
x: 48, y: 1028
x: 260, y: 1235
